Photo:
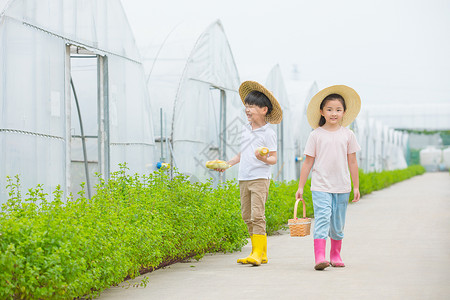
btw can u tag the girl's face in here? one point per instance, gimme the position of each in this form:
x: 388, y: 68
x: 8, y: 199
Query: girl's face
x: 333, y: 112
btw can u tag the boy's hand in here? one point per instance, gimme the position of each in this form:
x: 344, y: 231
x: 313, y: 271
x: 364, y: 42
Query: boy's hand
x: 299, y: 194
x: 223, y: 170
x: 356, y: 195
x: 260, y: 157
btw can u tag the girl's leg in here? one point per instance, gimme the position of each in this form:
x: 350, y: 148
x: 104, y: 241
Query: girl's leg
x: 322, y: 214
x: 339, y: 210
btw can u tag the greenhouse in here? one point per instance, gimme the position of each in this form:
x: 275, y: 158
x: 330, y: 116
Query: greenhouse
x: 73, y: 99
x: 300, y: 93
x: 193, y: 82
x: 285, y: 167
x: 429, y: 116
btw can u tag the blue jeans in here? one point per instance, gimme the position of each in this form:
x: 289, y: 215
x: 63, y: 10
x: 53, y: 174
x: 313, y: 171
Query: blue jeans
x: 329, y: 214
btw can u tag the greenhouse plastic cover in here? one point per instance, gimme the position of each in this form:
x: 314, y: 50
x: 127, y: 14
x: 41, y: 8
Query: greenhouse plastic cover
x: 187, y: 71
x: 300, y: 93
x: 284, y: 169
x: 427, y: 115
x: 382, y: 148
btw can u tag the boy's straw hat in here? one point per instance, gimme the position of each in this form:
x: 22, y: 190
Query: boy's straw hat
x: 276, y: 115
x: 352, y: 103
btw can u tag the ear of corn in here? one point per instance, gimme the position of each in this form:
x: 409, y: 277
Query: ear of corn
x: 263, y: 150
x: 217, y: 164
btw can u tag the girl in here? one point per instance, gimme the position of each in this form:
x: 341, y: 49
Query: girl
x: 331, y: 152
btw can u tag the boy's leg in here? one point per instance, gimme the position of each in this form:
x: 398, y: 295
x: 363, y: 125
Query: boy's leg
x: 339, y: 210
x: 246, y: 213
x: 246, y: 205
x: 322, y: 214
x: 259, y: 189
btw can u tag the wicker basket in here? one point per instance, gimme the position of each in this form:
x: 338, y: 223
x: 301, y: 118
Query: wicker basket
x: 299, y: 227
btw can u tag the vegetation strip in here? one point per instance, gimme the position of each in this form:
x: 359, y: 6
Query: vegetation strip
x: 56, y: 249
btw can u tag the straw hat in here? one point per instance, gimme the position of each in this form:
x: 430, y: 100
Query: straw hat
x: 352, y: 103
x: 276, y: 115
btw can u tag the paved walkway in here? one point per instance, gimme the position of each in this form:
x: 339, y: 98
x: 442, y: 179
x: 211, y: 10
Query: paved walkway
x: 396, y: 246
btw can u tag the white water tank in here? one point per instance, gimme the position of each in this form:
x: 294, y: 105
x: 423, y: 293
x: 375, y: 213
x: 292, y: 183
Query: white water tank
x: 446, y: 157
x: 430, y: 158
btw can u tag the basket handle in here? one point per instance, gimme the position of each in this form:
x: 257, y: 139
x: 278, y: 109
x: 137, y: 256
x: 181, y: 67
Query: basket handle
x: 295, y: 208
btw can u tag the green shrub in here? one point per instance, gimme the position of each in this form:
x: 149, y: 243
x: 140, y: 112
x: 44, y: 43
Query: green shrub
x: 374, y: 181
x: 56, y: 250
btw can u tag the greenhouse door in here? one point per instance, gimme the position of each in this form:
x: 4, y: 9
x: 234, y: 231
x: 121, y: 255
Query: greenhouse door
x: 89, y: 151
x: 217, y: 132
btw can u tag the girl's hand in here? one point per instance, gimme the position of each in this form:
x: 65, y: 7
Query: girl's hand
x: 356, y: 195
x: 299, y: 194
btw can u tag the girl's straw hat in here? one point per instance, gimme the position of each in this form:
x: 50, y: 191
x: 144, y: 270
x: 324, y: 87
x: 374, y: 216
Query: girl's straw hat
x: 276, y: 115
x: 352, y: 103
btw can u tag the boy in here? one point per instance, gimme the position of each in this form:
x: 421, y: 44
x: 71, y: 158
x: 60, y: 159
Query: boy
x: 261, y: 108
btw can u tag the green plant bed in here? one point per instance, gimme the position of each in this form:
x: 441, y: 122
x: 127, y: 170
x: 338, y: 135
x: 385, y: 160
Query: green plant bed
x: 55, y: 249
x: 374, y: 181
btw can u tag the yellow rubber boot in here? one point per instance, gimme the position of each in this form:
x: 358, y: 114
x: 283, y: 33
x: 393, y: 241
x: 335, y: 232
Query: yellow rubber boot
x: 244, y: 260
x: 264, y: 257
x: 259, y: 242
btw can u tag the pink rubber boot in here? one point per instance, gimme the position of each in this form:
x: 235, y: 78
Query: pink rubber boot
x: 319, y: 253
x: 335, y: 253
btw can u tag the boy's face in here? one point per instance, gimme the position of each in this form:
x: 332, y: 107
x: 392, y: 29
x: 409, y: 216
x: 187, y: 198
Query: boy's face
x: 255, y: 114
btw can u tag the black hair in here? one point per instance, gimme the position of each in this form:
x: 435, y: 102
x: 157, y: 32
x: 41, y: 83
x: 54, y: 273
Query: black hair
x: 259, y: 99
x: 330, y: 97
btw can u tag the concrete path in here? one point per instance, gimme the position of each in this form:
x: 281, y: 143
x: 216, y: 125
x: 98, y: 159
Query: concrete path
x: 396, y: 246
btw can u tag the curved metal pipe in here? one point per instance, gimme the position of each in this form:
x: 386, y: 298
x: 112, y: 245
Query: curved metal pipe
x: 83, y: 140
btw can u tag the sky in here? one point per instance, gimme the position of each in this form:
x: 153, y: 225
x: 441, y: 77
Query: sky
x: 389, y: 51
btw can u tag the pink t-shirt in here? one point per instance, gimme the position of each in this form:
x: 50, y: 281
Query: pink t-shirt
x: 330, y: 148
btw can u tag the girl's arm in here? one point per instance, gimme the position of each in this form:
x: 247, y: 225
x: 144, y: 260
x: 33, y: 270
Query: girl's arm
x: 306, y: 168
x: 353, y: 167
x: 270, y: 158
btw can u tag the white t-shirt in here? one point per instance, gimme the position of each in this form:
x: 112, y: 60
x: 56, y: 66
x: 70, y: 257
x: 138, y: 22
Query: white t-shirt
x: 249, y: 166
x: 330, y: 148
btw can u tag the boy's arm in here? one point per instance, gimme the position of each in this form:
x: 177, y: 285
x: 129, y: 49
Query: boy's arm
x: 270, y: 158
x: 353, y: 168
x: 306, y: 168
x: 235, y: 160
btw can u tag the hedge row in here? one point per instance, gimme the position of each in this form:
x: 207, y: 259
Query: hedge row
x: 55, y: 249
x: 61, y: 251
